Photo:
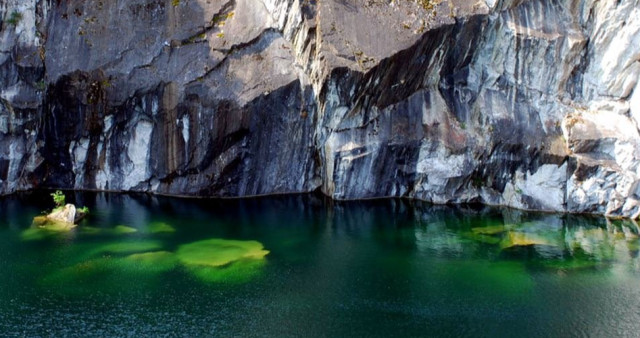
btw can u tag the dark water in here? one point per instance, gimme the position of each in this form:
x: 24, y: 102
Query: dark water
x: 376, y: 268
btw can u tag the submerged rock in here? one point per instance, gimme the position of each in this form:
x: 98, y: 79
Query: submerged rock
x: 515, y: 239
x: 124, y: 247
x: 157, y: 261
x: 531, y: 104
x: 222, y: 260
x: 160, y: 227
x: 489, y: 230
x: 219, y: 252
x: 103, y: 266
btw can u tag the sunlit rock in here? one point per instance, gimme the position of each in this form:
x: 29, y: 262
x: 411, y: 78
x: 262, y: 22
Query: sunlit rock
x: 66, y: 214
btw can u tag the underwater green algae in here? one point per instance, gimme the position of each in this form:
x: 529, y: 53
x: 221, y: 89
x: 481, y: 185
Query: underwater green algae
x: 350, y: 271
x: 42, y: 228
x: 223, y: 260
x: 88, y: 230
x: 489, y: 230
x: 160, y: 227
x: 481, y: 238
x: 36, y: 234
x: 151, y: 228
x: 117, y: 230
x: 633, y: 245
x: 128, y: 247
x: 153, y: 253
x: 218, y: 252
x: 148, y: 262
x: 513, y: 239
x: 157, y: 261
x: 111, y: 266
x: 240, y: 271
x: 92, y: 271
x: 43, y: 222
x: 492, y: 278
x: 123, y: 229
x: 111, y: 275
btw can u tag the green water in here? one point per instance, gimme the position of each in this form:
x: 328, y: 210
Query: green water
x: 303, y: 266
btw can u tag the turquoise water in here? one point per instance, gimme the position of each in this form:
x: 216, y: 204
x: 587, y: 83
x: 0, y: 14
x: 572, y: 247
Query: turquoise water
x: 303, y: 266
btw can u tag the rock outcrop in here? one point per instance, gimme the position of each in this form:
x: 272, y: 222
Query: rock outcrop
x: 61, y: 219
x: 66, y: 214
x: 525, y: 103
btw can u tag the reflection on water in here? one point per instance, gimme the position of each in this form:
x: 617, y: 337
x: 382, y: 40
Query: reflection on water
x: 301, y: 265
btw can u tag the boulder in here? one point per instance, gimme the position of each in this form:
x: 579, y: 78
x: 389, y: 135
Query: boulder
x: 66, y: 214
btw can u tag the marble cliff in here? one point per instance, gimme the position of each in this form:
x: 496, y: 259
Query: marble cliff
x: 532, y: 104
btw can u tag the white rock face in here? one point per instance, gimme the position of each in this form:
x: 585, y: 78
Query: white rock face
x: 78, y: 153
x: 615, y: 57
x: 19, y: 97
x: 138, y: 152
x: 606, y: 146
x: 65, y: 215
x: 542, y: 190
x: 494, y: 127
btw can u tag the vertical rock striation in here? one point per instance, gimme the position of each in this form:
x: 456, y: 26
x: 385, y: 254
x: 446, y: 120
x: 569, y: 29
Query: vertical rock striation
x: 22, y: 89
x: 526, y: 103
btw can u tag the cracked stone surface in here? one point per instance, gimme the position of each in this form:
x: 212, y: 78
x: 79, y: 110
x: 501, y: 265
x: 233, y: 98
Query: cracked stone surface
x: 525, y: 103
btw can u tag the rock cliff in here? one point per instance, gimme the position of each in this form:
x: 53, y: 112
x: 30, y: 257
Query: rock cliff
x: 525, y: 103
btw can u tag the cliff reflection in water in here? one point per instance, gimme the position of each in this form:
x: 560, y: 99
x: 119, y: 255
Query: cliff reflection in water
x: 559, y: 241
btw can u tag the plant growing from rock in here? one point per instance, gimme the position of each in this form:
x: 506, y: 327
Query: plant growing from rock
x: 58, y: 198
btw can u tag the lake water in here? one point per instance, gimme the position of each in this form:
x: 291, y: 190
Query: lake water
x: 305, y: 266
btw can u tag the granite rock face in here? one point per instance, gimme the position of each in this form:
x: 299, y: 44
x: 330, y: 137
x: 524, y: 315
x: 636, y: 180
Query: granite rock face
x: 525, y: 103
